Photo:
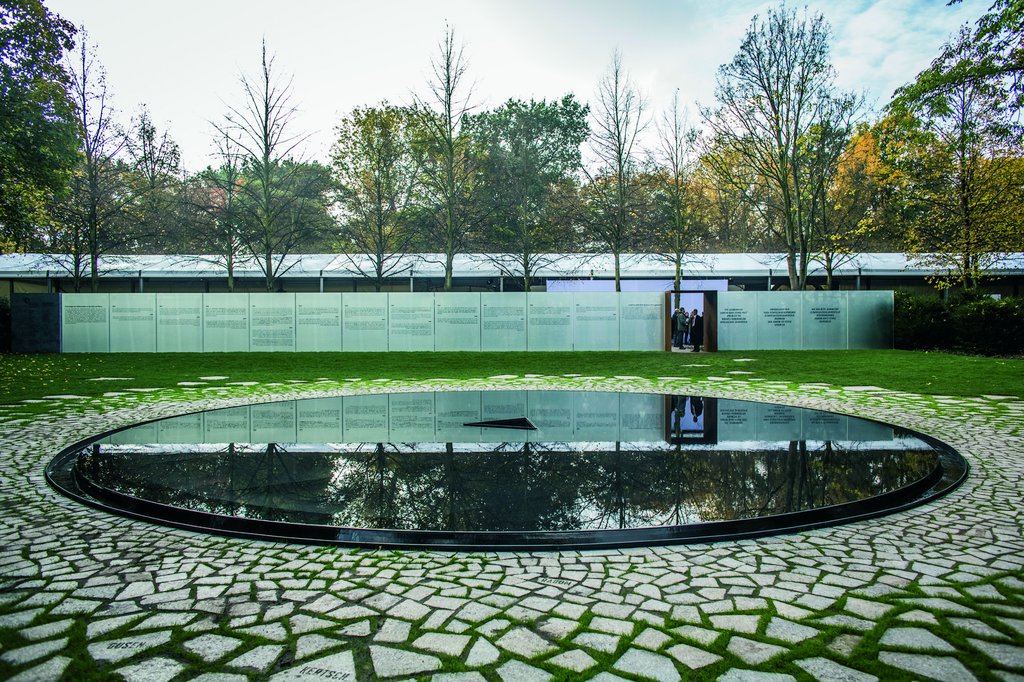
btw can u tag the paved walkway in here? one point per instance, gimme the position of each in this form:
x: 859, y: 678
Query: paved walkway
x: 933, y: 593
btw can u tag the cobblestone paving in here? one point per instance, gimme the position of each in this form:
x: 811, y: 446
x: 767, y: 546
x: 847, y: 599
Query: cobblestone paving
x: 933, y: 593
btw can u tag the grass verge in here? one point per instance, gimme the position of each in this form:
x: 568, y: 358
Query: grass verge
x: 34, y: 376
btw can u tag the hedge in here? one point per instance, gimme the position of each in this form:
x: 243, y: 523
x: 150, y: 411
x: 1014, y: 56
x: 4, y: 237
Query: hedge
x: 971, y: 324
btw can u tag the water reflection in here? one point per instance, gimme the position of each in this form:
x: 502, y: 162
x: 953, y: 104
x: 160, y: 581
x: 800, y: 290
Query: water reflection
x: 629, y: 461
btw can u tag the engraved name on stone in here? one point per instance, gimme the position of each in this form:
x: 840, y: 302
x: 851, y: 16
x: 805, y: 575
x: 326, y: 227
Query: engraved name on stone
x: 324, y: 673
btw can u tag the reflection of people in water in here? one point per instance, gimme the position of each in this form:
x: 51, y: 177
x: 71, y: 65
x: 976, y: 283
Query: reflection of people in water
x: 696, y: 407
x: 678, y: 411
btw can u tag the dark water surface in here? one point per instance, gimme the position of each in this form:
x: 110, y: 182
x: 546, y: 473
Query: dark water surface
x: 596, y: 466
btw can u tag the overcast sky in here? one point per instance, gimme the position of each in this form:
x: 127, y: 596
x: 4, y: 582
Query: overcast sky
x: 183, y: 59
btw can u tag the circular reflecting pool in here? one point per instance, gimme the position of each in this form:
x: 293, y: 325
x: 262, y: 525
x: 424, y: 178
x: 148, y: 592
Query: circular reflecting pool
x: 507, y: 469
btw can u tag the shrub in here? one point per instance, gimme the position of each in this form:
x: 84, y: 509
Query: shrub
x: 5, y: 325
x: 969, y: 323
x: 920, y: 322
x: 989, y: 327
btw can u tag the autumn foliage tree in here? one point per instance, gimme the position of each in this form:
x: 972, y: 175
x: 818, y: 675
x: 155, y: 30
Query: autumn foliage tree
x: 953, y: 147
x: 851, y: 198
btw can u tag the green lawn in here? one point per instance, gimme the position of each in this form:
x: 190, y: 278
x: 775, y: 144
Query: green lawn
x: 33, y: 376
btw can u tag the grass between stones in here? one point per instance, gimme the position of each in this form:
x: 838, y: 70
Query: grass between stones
x: 34, y: 377
x: 26, y: 377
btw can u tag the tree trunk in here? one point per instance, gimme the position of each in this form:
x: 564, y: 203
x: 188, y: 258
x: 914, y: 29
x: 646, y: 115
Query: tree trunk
x: 794, y: 278
x: 448, y: 265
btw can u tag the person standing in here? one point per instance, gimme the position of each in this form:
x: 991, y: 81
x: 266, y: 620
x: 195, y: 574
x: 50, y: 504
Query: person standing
x: 696, y: 330
x: 677, y: 325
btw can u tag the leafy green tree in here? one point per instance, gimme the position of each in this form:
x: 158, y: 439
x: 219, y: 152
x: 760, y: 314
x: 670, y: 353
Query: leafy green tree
x: 377, y: 175
x: 155, y: 160
x: 852, y: 205
x: 823, y: 147
x: 997, y: 55
x: 38, y: 132
x: 953, y: 150
x: 301, y: 222
x: 531, y: 150
x: 214, y: 212
x: 721, y: 210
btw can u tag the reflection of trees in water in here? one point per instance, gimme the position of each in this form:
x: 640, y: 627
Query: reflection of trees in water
x: 747, y: 484
x: 269, y: 483
x: 625, y: 488
x: 511, y: 486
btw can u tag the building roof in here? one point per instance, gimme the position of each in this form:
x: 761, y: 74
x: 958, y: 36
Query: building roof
x: 573, y: 265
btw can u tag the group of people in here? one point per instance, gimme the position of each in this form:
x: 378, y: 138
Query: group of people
x: 687, y: 330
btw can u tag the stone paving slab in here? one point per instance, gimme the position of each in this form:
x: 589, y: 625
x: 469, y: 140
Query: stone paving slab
x: 936, y: 592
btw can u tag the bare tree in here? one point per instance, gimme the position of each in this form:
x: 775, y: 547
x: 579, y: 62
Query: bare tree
x: 89, y: 217
x: 279, y: 194
x: 776, y: 89
x: 377, y: 174
x: 450, y: 177
x: 676, y: 231
x: 619, y: 118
